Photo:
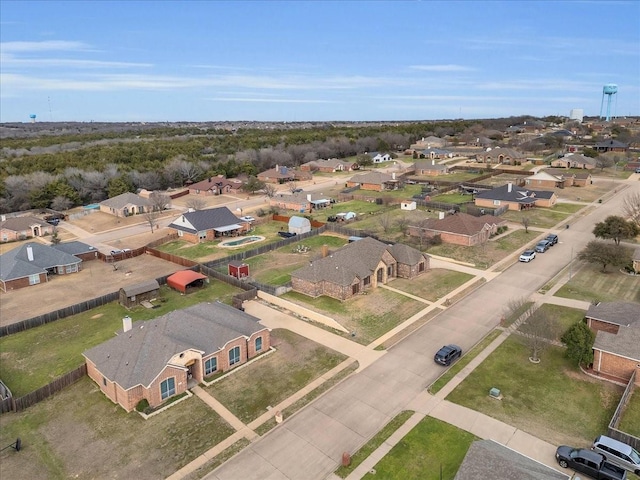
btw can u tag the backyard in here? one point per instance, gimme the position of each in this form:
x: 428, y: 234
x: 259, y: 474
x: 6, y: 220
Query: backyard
x: 296, y: 362
x: 82, y: 419
x: 630, y: 422
x: 58, y: 345
x: 552, y: 400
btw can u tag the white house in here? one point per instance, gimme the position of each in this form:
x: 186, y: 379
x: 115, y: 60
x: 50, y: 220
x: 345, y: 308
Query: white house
x: 378, y: 157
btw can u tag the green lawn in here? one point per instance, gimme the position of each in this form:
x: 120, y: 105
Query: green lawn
x: 543, y: 217
x: 630, y: 422
x: 80, y: 433
x: 562, y: 318
x: 454, y: 197
x: 58, y: 345
x: 378, y: 439
x: 457, y: 367
x: 268, y: 381
x: 436, y: 284
x: 430, y: 448
x: 588, y: 283
x: 551, y: 400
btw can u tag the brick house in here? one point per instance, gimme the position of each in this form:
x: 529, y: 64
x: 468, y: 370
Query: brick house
x: 459, y: 228
x: 429, y: 168
x: 506, y: 156
x: 376, y: 181
x: 330, y: 165
x: 429, y: 142
x: 571, y: 179
x: 574, y: 160
x: 611, y: 146
x: 434, y: 153
x: 282, y: 174
x: 33, y: 263
x: 216, y: 186
x: 516, y: 198
x: 616, y: 351
x: 20, y: 228
x: 78, y: 249
x: 544, y: 179
x: 158, y: 359
x: 126, y: 204
x: 358, y: 267
x: 207, y: 225
x: 299, y: 202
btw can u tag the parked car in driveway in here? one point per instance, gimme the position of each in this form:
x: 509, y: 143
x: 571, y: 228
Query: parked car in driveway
x: 589, y: 462
x: 527, y: 256
x: 447, y: 354
x: 542, y: 246
x: 552, y: 238
x: 618, y: 452
x: 248, y: 218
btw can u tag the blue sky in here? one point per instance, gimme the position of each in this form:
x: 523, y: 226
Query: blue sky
x: 314, y: 60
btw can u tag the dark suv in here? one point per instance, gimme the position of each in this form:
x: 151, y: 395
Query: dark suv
x: 552, y: 238
x: 447, y: 354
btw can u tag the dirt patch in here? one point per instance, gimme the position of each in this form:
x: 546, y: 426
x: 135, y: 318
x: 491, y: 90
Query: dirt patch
x: 96, y: 279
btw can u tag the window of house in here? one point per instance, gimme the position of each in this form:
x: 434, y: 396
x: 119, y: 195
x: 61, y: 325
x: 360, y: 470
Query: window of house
x: 258, y: 344
x: 210, y: 366
x: 71, y: 268
x: 355, y: 289
x: 34, y: 279
x: 180, y: 233
x: 496, y: 202
x: 168, y: 388
x: 234, y: 355
x: 421, y: 267
x: 367, y: 281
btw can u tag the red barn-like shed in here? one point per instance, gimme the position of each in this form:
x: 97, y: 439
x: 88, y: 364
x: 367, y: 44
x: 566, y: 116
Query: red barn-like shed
x: 185, y: 279
x: 238, y: 269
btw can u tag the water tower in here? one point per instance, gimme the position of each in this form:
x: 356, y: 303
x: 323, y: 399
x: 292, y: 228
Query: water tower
x: 33, y: 118
x: 609, y: 90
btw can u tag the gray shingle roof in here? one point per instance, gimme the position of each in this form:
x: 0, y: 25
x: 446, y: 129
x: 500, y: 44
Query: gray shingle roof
x: 120, y: 201
x: 18, y: 224
x: 625, y: 343
x: 16, y: 264
x: 139, y: 288
x: 620, y: 313
x: 376, y: 178
x: 355, y: 260
x: 74, y: 248
x: 517, y: 194
x: 206, y: 219
x: 487, y: 459
x: 136, y: 357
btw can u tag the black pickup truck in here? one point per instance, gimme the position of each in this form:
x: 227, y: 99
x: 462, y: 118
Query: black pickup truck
x: 589, y: 462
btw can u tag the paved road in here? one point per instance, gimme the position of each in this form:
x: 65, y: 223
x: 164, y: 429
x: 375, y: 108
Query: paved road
x: 310, y: 444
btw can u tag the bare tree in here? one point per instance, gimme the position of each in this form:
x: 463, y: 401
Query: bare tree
x: 159, y: 201
x: 517, y: 310
x: 269, y: 190
x: 293, y: 186
x: 603, y: 162
x: 631, y: 207
x: 55, y: 237
x: 402, y: 223
x: 538, y: 330
x: 152, y: 219
x: 196, y: 203
x: 385, y: 222
x: 61, y: 203
x: 526, y: 221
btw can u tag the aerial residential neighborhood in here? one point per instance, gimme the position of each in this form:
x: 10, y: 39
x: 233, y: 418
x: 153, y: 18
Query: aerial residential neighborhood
x: 195, y: 293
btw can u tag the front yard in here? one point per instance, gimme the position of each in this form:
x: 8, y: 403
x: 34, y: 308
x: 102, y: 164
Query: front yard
x: 80, y: 433
x: 437, y: 284
x: 552, y: 400
x: 588, y: 283
x: 544, y: 217
x: 58, y: 345
x: 296, y: 362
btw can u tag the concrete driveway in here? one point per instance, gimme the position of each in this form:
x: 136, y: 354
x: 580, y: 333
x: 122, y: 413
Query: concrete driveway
x: 310, y: 444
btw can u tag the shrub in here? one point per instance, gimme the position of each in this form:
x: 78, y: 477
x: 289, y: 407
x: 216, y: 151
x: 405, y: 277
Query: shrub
x: 142, y: 406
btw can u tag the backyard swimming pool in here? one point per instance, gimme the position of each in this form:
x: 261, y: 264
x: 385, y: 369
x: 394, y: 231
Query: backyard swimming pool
x: 241, y: 241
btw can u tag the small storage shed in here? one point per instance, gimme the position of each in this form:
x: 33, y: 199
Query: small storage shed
x: 299, y: 225
x: 185, y: 279
x: 408, y: 206
x: 238, y: 269
x: 133, y: 295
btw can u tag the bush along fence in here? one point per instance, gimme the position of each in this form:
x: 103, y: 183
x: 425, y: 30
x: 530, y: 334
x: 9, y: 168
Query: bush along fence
x: 612, y: 429
x: 12, y: 404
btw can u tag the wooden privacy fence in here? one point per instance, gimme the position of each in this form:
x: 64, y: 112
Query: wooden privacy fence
x: 13, y: 404
x: 612, y: 429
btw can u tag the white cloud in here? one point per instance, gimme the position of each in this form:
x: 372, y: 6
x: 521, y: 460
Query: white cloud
x: 44, y: 46
x: 10, y: 60
x: 442, y: 68
x: 267, y: 100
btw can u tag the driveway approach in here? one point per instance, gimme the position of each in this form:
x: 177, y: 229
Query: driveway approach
x: 310, y: 444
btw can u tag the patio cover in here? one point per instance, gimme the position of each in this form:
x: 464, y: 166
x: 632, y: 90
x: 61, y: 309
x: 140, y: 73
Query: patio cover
x: 182, y: 279
x: 227, y: 228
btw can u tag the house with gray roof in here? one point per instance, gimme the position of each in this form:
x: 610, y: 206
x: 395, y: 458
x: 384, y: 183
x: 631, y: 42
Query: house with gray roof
x: 330, y: 165
x: 209, y: 224
x: 574, y: 160
x: 515, y: 198
x: 616, y: 351
x: 160, y: 358
x: 20, y: 228
x: 81, y: 250
x: 33, y: 263
x: 503, y: 155
x: 126, y: 204
x: 611, y: 146
x: 488, y: 459
x: 377, y: 181
x: 430, y: 167
x: 358, y: 267
x: 300, y: 202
